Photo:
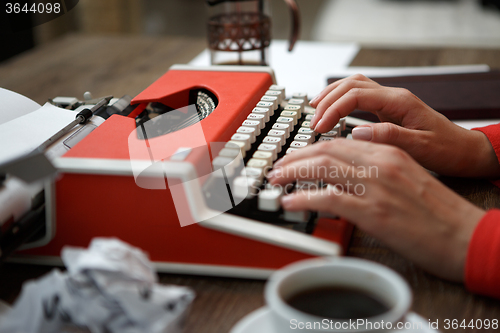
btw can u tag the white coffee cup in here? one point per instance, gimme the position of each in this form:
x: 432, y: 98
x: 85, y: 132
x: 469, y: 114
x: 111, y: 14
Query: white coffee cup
x: 363, y: 275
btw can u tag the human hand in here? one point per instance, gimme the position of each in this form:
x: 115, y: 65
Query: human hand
x: 407, y: 122
x: 384, y: 192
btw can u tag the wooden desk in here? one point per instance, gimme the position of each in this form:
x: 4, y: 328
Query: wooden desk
x: 119, y: 65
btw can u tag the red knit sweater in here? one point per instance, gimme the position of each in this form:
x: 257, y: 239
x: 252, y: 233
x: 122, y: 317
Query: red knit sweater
x: 482, y: 267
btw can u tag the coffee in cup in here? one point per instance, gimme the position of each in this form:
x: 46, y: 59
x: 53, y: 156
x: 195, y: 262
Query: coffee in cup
x: 336, y: 295
x: 337, y: 302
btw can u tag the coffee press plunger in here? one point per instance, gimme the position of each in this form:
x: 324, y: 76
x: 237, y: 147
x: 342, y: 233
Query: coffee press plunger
x: 239, y: 31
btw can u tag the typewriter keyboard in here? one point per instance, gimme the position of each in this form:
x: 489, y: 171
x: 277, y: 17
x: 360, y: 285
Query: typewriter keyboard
x: 274, y: 128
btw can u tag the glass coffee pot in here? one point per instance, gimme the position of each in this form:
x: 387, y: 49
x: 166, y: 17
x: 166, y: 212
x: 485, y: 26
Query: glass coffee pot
x: 239, y: 31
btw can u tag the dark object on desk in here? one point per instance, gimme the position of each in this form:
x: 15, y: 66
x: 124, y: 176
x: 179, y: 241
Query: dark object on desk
x: 17, y: 42
x: 457, y: 96
x: 28, y: 227
x: 491, y: 3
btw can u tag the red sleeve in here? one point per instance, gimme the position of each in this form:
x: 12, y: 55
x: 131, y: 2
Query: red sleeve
x: 492, y: 132
x: 482, y: 267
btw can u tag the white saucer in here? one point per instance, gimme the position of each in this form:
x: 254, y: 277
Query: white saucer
x: 260, y: 321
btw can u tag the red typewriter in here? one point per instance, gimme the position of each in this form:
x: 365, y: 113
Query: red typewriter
x: 182, y: 177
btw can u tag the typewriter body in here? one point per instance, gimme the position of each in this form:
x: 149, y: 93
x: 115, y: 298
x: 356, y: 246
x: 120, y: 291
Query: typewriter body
x: 153, y: 189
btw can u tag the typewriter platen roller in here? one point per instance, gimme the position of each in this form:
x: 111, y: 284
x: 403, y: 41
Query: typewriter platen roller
x: 149, y: 178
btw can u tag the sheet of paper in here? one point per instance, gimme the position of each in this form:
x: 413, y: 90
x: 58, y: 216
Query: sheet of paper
x: 23, y: 134
x: 404, y: 71
x: 469, y: 124
x: 14, y: 105
x: 306, y: 68
x: 109, y: 287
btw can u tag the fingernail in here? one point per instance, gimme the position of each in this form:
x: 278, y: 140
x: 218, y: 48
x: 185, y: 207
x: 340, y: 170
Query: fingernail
x: 362, y: 133
x: 313, y: 121
x: 313, y: 100
x: 318, y: 125
x: 287, y: 201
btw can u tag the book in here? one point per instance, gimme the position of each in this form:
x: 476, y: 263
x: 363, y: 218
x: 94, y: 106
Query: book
x: 457, y: 96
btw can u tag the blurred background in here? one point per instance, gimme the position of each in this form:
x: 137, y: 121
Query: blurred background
x: 462, y: 23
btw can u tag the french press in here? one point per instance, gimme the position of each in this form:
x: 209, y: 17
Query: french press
x: 239, y: 31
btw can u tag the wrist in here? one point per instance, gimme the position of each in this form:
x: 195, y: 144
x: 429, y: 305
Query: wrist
x: 483, y: 161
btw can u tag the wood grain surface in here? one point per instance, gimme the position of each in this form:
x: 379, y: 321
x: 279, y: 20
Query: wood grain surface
x: 127, y: 65
x: 111, y: 65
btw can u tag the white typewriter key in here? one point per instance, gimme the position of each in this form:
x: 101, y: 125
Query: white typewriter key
x: 306, y: 131
x: 276, y: 93
x: 298, y: 144
x: 290, y: 150
x: 309, y: 110
x: 229, y: 152
x: 291, y: 114
x: 286, y: 120
x: 69, y: 101
x: 245, y: 138
x: 269, y: 148
x: 300, y: 216
x: 282, y: 127
x: 301, y: 95
x: 332, y: 134
x: 296, y: 108
x: 264, y: 111
x: 271, y: 99
x: 309, y: 117
x: 304, y: 138
x: 256, y: 173
x: 342, y: 123
x: 253, y: 124
x: 306, y: 124
x: 263, y: 104
x: 269, y: 199
x: 263, y: 155
x: 297, y: 101
x: 326, y: 138
x: 276, y: 87
x: 229, y: 164
x: 245, y: 187
x: 258, y: 163
x: 258, y: 117
x: 247, y: 130
x: 237, y: 145
x: 338, y: 128
x: 349, y: 137
x: 273, y: 140
x: 278, y: 133
x: 270, y: 108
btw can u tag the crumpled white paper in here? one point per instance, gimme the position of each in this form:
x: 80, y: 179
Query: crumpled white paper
x: 109, y: 287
